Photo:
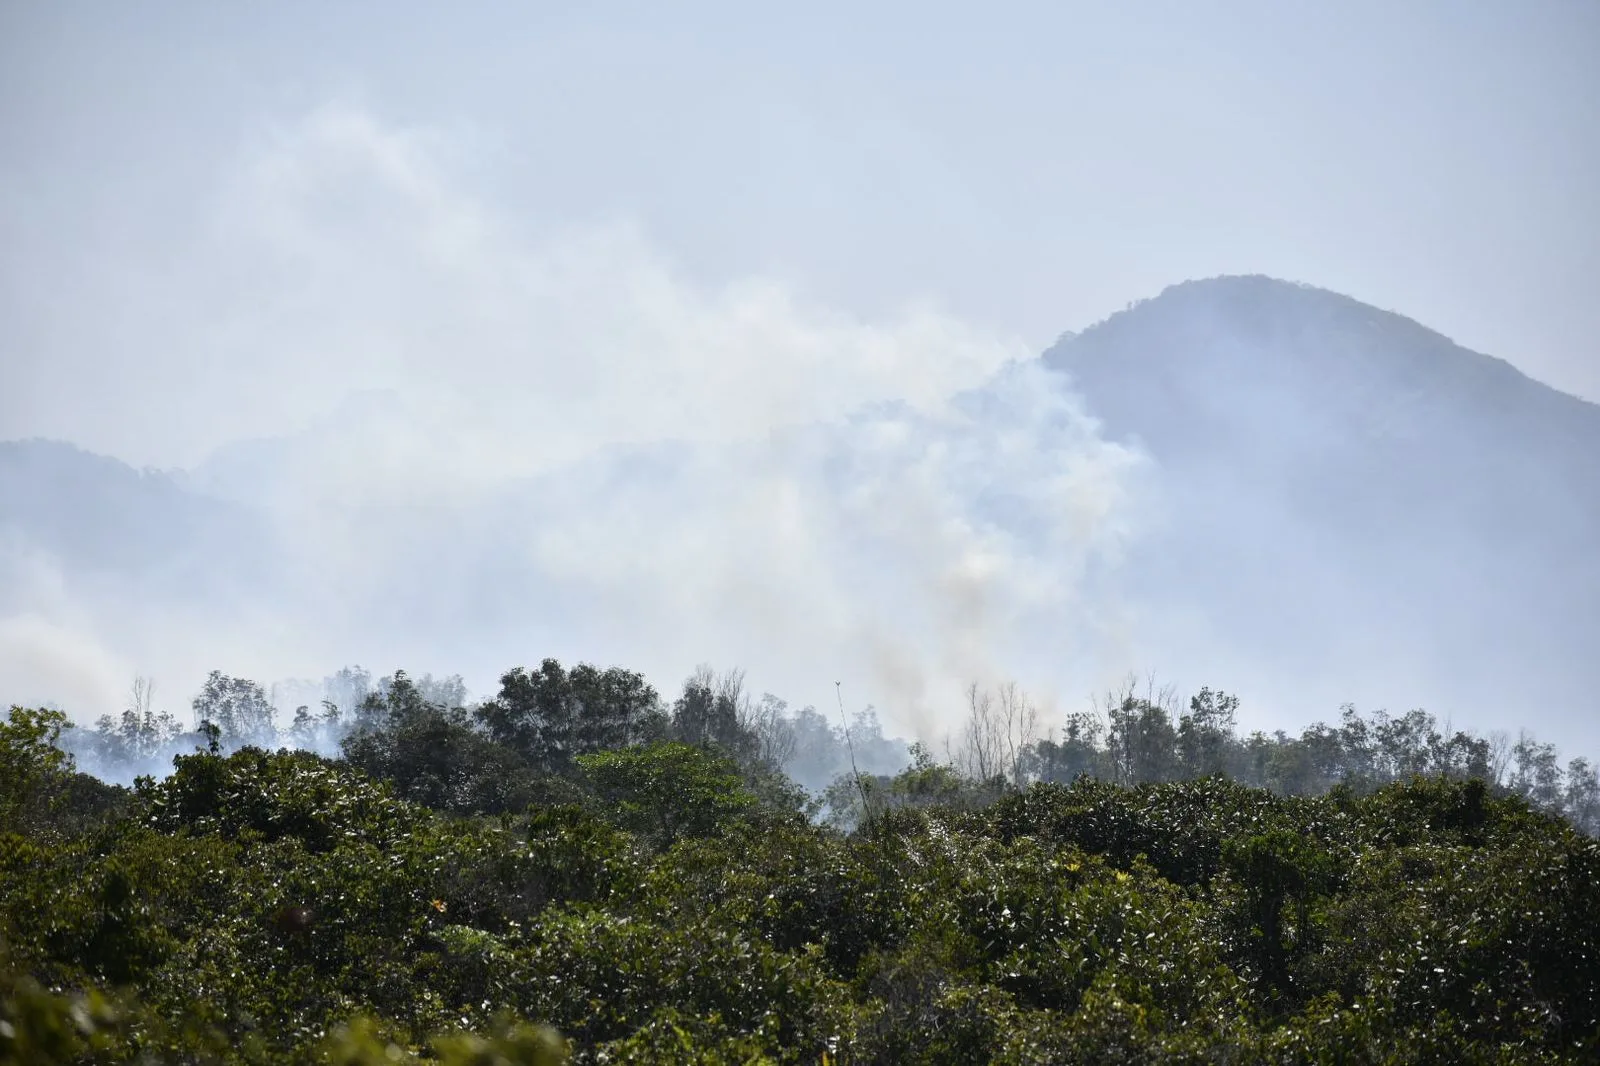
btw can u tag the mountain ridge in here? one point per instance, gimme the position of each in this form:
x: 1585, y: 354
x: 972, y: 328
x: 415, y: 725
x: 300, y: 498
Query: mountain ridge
x: 1346, y: 502
x: 1332, y: 470
x: 1230, y: 297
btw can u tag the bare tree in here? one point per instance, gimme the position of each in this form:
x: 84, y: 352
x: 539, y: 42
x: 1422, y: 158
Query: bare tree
x: 768, y: 721
x: 1020, y: 728
x: 140, y: 695
x: 982, y: 738
x: 1500, y: 747
x: 1001, y: 727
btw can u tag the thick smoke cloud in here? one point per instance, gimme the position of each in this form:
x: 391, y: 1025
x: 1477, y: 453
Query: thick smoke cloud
x: 463, y: 446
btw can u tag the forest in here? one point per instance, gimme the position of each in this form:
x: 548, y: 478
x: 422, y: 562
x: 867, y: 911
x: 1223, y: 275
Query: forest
x: 577, y: 869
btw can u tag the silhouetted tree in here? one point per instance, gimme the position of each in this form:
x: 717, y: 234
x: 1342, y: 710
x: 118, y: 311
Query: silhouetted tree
x: 714, y: 711
x: 1206, y: 732
x: 238, y: 708
x: 552, y: 715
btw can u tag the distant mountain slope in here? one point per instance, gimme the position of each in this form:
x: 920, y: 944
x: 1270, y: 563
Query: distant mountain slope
x: 1243, y: 360
x: 99, y: 518
x: 1342, y: 506
x: 1342, y: 485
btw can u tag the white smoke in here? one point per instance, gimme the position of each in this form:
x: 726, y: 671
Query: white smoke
x: 473, y: 447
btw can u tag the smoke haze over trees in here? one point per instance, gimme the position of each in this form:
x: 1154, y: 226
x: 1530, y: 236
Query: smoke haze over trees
x: 500, y: 754
x: 1242, y: 479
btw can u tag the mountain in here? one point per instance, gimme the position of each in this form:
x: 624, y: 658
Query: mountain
x: 1281, y: 491
x: 103, y: 521
x: 1342, y: 486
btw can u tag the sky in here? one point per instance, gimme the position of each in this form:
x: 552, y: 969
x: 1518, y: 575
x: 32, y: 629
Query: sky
x: 556, y: 229
x: 1026, y: 170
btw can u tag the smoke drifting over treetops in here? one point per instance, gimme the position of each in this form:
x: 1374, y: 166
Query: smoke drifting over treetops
x: 404, y: 430
x: 437, y: 442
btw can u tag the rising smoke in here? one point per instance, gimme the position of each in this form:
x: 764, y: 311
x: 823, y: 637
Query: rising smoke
x: 460, y: 446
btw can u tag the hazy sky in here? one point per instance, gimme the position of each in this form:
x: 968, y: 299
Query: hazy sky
x: 1026, y: 170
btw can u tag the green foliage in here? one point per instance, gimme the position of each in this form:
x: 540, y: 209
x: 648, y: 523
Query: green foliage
x: 552, y: 715
x: 31, y: 761
x: 668, y: 790
x: 362, y: 1042
x: 37, y: 1026
x: 711, y: 712
x: 657, y: 902
x: 287, y: 794
x: 433, y: 756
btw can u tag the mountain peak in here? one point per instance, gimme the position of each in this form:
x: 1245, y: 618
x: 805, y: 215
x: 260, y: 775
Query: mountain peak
x: 1317, y: 458
x: 1234, y: 350
x: 1263, y: 307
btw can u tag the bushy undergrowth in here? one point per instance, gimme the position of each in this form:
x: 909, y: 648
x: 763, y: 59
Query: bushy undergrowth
x: 280, y: 907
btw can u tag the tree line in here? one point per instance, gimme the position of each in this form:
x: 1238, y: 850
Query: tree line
x: 495, y: 884
x: 497, y: 753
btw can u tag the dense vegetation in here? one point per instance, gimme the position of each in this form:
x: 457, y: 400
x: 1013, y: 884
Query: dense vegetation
x: 646, y: 881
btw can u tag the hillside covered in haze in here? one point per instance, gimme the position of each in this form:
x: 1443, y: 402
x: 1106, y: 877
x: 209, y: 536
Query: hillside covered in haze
x: 1353, y: 497
x: 1290, y: 493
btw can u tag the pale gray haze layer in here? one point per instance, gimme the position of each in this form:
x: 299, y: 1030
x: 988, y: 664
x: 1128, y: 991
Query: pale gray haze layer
x: 657, y: 334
